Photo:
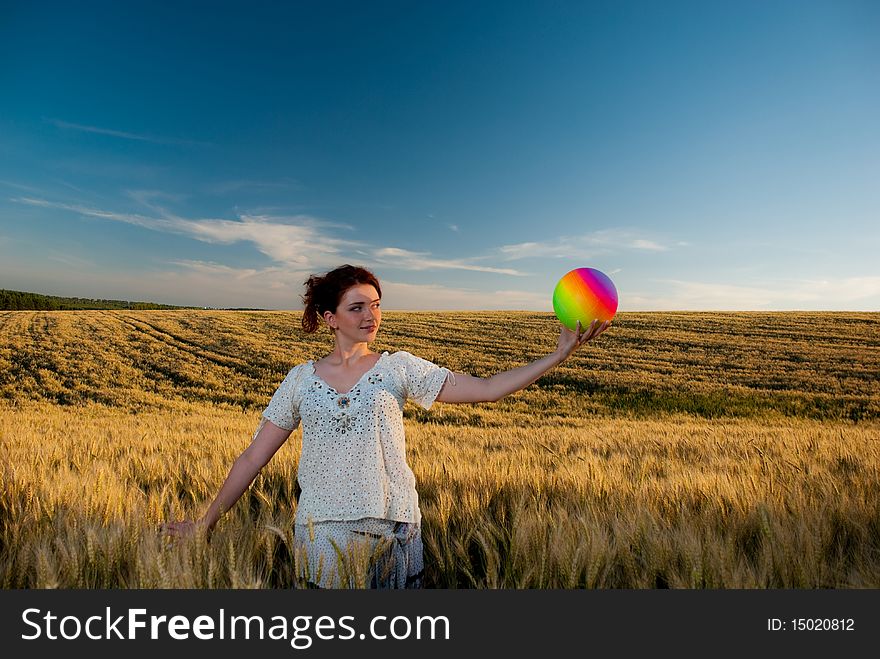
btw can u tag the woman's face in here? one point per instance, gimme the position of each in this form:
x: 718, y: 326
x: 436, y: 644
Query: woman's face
x: 358, y: 314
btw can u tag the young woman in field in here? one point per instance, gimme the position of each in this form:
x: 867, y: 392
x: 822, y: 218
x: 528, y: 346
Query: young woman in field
x: 358, y: 494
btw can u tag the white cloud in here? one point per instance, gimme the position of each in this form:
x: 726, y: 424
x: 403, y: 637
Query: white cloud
x: 129, y: 218
x: 21, y: 186
x: 217, y: 285
x: 213, y: 284
x: 434, y: 297
x: 305, y: 242
x: 218, y: 269
x: 407, y: 260
x: 296, y: 240
x: 300, y: 241
x: 585, y: 246
x: 831, y: 292
x: 686, y: 296
x: 648, y: 244
x: 848, y: 293
x: 204, y: 283
x: 532, y: 250
x: 302, y: 244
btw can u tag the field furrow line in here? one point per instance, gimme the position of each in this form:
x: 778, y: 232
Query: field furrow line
x: 188, y: 346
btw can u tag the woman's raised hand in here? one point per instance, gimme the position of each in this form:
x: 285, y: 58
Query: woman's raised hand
x: 569, y: 340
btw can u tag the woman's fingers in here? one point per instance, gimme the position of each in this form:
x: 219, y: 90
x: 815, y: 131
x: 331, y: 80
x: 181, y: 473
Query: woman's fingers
x: 588, y: 334
x: 177, y: 529
x: 581, y: 335
x: 595, y: 330
x: 600, y: 327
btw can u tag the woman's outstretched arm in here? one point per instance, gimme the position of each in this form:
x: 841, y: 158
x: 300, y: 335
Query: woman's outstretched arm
x: 465, y: 388
x: 244, y: 470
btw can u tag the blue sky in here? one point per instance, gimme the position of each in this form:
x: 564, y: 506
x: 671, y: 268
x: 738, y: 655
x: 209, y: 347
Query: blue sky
x: 705, y: 155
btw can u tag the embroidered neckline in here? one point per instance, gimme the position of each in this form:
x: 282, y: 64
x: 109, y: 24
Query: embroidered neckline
x: 346, y: 395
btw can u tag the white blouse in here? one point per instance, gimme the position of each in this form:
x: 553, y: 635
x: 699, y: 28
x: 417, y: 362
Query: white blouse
x: 353, y: 460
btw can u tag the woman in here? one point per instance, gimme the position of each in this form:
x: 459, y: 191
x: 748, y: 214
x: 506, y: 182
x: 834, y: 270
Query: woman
x: 358, y: 519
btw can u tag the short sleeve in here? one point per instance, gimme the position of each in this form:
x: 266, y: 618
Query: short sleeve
x: 282, y: 411
x: 423, y: 380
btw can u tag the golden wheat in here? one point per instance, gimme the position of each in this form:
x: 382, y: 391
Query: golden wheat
x: 117, y: 421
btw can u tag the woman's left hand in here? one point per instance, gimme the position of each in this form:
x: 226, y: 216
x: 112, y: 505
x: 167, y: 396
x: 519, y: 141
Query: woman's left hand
x: 570, y: 341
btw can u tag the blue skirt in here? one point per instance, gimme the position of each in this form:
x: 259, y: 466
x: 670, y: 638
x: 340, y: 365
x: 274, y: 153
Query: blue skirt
x: 363, y: 553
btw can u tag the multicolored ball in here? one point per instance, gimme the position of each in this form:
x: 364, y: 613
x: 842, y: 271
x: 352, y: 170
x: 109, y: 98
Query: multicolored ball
x: 585, y: 295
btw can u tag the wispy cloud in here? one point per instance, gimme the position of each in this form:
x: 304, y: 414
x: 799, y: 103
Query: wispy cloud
x: 299, y: 240
x: 42, y: 191
x: 302, y: 243
x: 21, y: 186
x: 294, y: 240
x: 846, y: 293
x: 453, y: 227
x: 218, y: 285
x: 128, y: 218
x: 647, y: 244
x: 835, y: 291
x: 125, y: 135
x: 214, y: 284
x: 582, y: 246
x: 407, y: 260
x: 67, y: 184
x: 215, y: 269
x: 297, y: 245
x: 434, y: 297
x: 148, y: 199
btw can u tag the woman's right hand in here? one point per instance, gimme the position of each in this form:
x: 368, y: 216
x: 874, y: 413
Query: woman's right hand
x: 569, y: 340
x: 183, y: 529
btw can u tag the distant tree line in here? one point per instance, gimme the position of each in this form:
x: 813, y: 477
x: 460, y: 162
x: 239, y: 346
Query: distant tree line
x: 18, y: 300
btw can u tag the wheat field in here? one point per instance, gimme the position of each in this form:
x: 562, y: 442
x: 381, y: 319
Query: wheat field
x: 686, y: 450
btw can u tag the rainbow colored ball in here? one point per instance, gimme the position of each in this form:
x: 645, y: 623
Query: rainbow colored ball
x: 585, y: 295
